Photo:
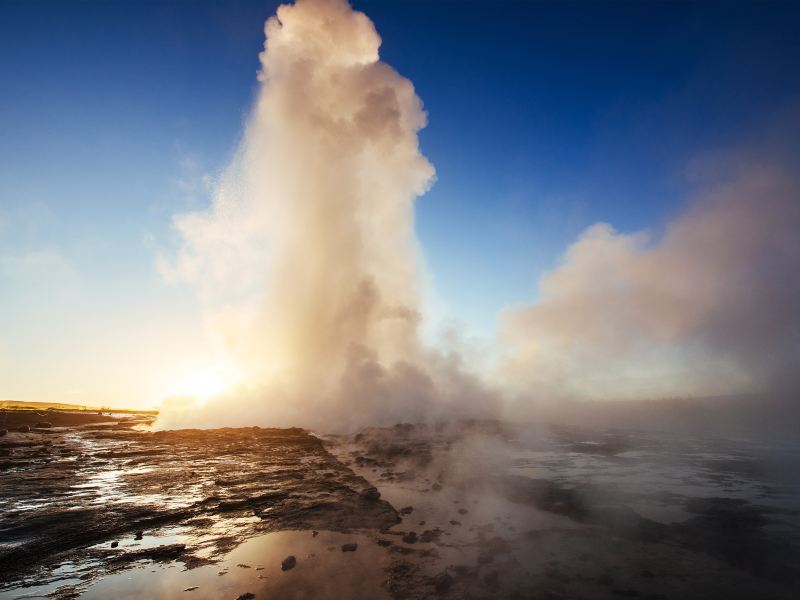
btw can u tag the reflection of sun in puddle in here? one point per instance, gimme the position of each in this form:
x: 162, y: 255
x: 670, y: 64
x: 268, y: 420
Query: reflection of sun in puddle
x: 322, y: 571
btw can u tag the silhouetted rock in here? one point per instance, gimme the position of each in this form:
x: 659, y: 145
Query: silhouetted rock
x: 23, y: 428
x: 44, y: 424
x: 442, y: 582
x: 410, y: 537
x: 371, y: 493
x: 288, y: 563
x: 349, y: 547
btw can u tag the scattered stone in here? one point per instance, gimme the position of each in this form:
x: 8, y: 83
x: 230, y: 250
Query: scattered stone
x: 288, y: 563
x: 259, y: 568
x: 139, y: 535
x: 371, y: 494
x: 44, y: 425
x: 430, y: 535
x: 442, y: 582
x: 191, y: 589
x: 462, y: 511
x: 314, y: 533
x: 410, y: 537
x: 455, y: 523
x: 114, y: 544
x: 243, y: 566
x: 23, y: 429
x: 407, y: 510
x: 246, y: 596
x: 384, y: 543
x: 349, y: 547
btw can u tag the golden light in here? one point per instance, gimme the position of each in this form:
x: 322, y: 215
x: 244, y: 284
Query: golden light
x: 202, y: 384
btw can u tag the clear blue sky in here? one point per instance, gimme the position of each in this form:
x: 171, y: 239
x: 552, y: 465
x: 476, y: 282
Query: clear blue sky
x: 543, y: 119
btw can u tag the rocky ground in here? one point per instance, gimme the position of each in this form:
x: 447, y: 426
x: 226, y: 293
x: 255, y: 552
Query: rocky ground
x: 106, y: 508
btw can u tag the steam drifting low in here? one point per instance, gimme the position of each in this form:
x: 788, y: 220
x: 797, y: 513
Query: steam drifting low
x: 712, y: 306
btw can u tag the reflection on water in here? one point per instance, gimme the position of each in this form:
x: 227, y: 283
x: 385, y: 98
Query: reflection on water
x: 323, y: 571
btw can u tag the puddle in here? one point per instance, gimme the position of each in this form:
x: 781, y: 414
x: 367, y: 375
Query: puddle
x: 323, y: 570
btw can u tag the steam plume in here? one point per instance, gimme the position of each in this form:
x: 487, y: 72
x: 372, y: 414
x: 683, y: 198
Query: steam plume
x: 710, y: 307
x: 308, y: 254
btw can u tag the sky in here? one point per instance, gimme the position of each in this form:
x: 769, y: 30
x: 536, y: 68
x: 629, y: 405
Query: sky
x: 543, y: 119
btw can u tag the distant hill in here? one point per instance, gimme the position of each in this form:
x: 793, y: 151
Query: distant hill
x: 25, y: 405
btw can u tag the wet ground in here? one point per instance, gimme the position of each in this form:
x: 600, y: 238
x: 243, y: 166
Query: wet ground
x: 469, y: 510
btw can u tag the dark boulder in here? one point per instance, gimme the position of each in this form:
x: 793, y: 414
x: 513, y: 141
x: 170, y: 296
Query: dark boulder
x: 371, y: 494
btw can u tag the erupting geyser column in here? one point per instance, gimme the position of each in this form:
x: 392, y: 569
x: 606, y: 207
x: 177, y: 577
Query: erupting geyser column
x: 307, y: 257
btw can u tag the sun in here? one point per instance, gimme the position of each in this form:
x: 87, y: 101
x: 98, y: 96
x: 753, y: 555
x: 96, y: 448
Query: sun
x: 202, y: 384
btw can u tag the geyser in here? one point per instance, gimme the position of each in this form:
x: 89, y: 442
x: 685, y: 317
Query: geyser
x: 307, y: 257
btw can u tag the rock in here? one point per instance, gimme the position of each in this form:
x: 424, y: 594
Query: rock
x: 462, y: 511
x: 371, y: 494
x: 288, y: 563
x: 114, y: 544
x: 442, y: 582
x: 246, y: 596
x: 410, y: 537
x: 407, y: 510
x: 23, y: 429
x: 191, y: 589
x: 314, y: 533
x: 243, y: 566
x: 159, y: 553
x: 139, y: 535
x: 349, y: 547
x: 44, y: 424
x: 436, y: 486
x: 384, y: 543
x: 430, y: 535
x: 454, y: 522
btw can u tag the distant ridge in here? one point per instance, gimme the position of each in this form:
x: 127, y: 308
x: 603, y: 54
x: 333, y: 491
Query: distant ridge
x: 26, y: 405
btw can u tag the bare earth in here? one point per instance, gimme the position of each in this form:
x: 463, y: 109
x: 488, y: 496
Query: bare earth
x: 99, y: 507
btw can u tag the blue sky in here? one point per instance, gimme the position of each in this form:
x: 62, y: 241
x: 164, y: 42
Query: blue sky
x: 543, y: 119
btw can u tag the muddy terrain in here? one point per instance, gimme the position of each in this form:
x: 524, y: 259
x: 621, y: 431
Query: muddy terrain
x: 107, y: 508
x: 76, y: 496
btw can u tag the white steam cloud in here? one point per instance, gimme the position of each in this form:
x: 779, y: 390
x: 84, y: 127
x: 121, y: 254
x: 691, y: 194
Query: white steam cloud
x: 308, y: 255
x: 712, y: 306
